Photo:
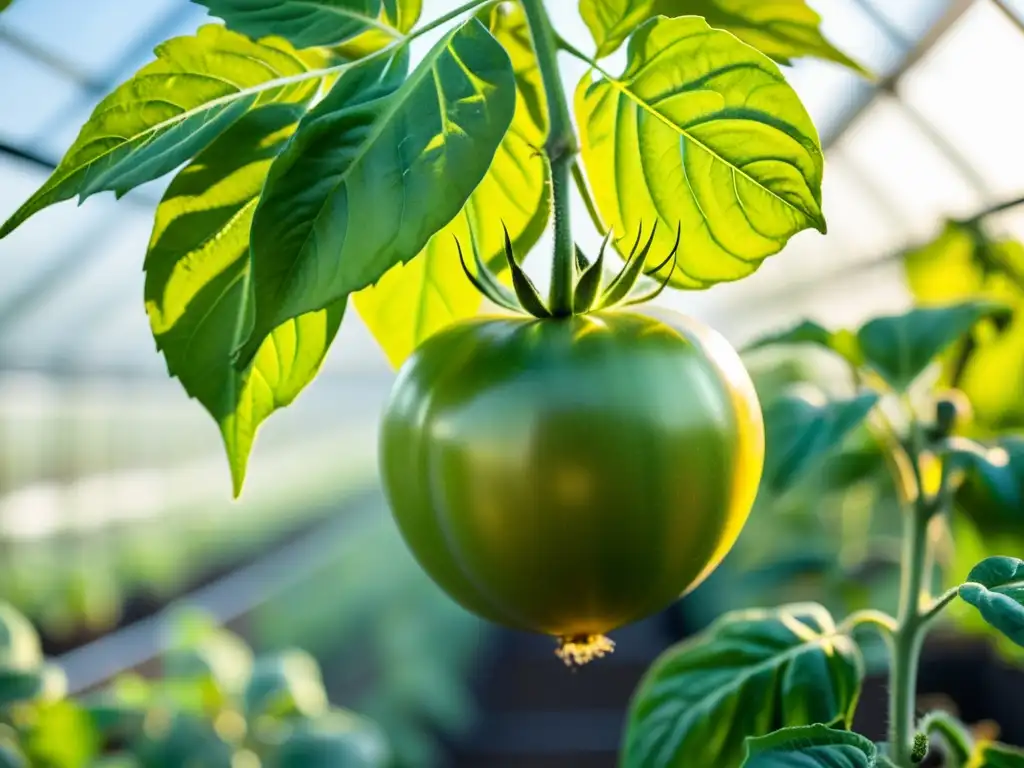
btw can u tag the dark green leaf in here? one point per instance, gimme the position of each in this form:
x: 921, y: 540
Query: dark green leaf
x: 19, y: 642
x: 46, y: 683
x: 173, y: 108
x: 4, y: 4
x: 285, y: 684
x: 335, y: 740
x: 801, y: 430
x: 814, y: 746
x: 990, y: 755
x: 782, y: 29
x: 703, y: 132
x: 752, y: 671
x: 304, y: 23
x: 197, y: 287
x: 809, y: 332
x: 806, y: 332
x: 415, y: 300
x: 185, y: 740
x: 900, y: 347
x: 366, y: 160
x: 11, y: 755
x: 992, y: 492
x: 995, y: 587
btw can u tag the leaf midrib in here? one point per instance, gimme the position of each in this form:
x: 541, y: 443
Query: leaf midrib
x: 370, y: 21
x: 398, y: 97
x: 625, y: 90
x: 794, y: 652
x: 198, y: 110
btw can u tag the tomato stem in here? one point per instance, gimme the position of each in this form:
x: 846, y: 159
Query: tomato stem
x: 916, y: 608
x: 560, y: 149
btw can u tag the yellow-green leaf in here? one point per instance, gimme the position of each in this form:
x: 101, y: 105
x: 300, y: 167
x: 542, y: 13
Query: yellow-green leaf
x: 399, y: 15
x: 197, y: 287
x: 964, y: 263
x: 701, y: 131
x: 415, y: 300
x: 173, y: 108
x: 991, y: 755
x: 357, y: 189
x: 782, y: 29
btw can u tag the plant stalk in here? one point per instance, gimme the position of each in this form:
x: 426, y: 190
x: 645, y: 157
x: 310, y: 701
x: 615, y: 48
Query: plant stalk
x: 914, y: 617
x: 908, y: 639
x: 560, y: 149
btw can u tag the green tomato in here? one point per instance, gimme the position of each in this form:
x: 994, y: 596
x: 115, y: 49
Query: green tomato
x: 571, y: 476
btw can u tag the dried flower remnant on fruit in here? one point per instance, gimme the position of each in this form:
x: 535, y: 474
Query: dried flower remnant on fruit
x: 583, y: 649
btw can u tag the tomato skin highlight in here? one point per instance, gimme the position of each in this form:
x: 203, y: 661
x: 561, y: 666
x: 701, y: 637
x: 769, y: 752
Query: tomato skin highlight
x: 571, y: 476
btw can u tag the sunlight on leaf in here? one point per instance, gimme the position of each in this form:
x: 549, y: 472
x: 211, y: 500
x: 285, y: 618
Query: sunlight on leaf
x: 365, y: 162
x: 703, y: 131
x: 748, y: 673
x: 991, y: 755
x: 900, y: 347
x: 170, y: 110
x: 965, y: 263
x: 197, y: 288
x: 400, y: 15
x: 782, y: 29
x: 413, y: 301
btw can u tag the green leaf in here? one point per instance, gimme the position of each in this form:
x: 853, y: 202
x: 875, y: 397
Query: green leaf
x: 992, y: 492
x: 206, y: 665
x: 337, y: 739
x: 173, y: 108
x: 900, y: 347
x: 304, y: 23
x: 400, y: 15
x: 704, y: 132
x: 963, y: 262
x: 415, y: 300
x: 991, y: 755
x: 842, y: 342
x: 803, y: 428
x: 285, y: 684
x: 185, y: 740
x: 995, y: 587
x: 750, y: 673
x: 782, y: 29
x: 196, y: 286
x: 61, y: 736
x: 4, y: 4
x: 370, y: 155
x: 46, y: 683
x: 814, y: 746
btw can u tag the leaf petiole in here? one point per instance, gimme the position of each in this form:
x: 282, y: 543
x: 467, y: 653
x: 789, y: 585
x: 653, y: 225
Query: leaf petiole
x: 880, y: 620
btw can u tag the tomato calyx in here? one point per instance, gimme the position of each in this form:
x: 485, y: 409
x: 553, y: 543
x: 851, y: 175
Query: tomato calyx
x: 582, y: 649
x: 590, y: 294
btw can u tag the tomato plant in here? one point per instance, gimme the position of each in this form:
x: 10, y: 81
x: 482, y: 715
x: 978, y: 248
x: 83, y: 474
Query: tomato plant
x: 572, y: 464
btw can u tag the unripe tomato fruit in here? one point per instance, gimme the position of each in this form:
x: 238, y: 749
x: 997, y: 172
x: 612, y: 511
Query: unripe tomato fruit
x: 571, y: 476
